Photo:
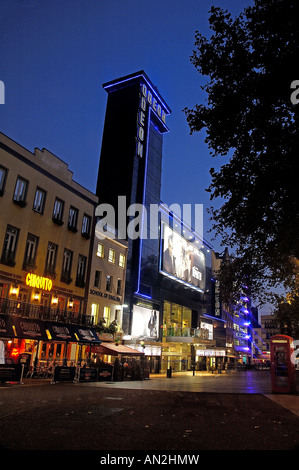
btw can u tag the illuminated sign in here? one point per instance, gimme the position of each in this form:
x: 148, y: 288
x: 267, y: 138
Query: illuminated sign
x: 149, y: 101
x: 147, y: 98
x: 181, y: 260
x: 210, y: 352
x: 209, y: 328
x: 39, y: 282
x: 145, y: 322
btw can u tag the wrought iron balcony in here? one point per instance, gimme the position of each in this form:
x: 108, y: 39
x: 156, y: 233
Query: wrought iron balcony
x: 40, y: 312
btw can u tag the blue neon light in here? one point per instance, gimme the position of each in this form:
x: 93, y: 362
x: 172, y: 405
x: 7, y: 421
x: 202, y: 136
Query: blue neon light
x: 143, y: 295
x: 132, y: 77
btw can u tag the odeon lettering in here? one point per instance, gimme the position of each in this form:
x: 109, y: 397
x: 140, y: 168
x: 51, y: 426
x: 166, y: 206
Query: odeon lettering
x: 147, y: 98
x: 38, y: 282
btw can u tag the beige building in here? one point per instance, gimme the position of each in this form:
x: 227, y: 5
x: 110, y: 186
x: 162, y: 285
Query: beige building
x: 45, y: 233
x: 107, y: 283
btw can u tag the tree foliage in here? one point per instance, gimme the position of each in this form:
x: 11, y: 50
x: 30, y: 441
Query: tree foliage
x: 249, y: 117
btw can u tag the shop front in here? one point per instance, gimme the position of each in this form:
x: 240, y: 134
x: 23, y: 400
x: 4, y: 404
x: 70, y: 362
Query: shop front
x: 145, y: 334
x: 44, y: 345
x: 181, y: 338
x: 177, y: 356
x: 210, y: 360
x: 128, y: 363
x: 168, y: 339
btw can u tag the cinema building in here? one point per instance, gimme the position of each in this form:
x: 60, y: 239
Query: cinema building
x: 46, y: 239
x: 168, y: 291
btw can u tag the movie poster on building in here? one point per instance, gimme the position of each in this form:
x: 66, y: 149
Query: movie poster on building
x: 182, y: 260
x: 145, y: 322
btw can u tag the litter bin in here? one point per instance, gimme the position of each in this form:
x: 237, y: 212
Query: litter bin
x: 169, y: 373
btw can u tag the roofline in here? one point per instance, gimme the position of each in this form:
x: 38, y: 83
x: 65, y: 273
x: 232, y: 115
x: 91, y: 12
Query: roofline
x: 127, y: 78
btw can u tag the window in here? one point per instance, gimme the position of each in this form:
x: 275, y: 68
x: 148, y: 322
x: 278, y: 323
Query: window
x: 117, y: 315
x: 10, y: 246
x: 111, y: 256
x: 73, y: 218
x: 118, y: 287
x: 39, y: 201
x: 94, y: 312
x: 51, y: 259
x: 97, y: 279
x: 100, y: 250
x: 122, y: 260
x: 109, y: 283
x: 3, y: 175
x: 20, y: 191
x: 107, y: 311
x: 58, y: 211
x: 81, y: 271
x: 30, y: 252
x: 86, y: 224
x: 67, y: 266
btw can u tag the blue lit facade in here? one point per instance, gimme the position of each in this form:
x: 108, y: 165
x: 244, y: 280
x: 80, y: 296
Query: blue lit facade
x: 162, y: 309
x: 242, y: 327
x: 241, y: 318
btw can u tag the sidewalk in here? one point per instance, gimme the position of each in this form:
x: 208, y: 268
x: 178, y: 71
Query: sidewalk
x: 250, y: 382
x: 182, y: 413
x: 103, y: 418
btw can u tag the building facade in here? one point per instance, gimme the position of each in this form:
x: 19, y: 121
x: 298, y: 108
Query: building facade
x: 240, y: 318
x: 107, y: 285
x: 46, y: 236
x: 166, y: 295
x: 262, y: 333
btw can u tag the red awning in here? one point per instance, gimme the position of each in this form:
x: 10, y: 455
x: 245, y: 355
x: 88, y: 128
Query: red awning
x: 114, y: 350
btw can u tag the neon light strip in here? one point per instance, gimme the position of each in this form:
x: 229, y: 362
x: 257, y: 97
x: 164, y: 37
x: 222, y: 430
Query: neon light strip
x: 143, y: 197
x: 129, y: 79
x: 182, y: 282
x: 143, y: 295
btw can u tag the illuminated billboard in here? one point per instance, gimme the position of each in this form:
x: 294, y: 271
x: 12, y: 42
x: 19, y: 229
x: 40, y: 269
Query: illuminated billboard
x: 145, y: 322
x: 182, y: 260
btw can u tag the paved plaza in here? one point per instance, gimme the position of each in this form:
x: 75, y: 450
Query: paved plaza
x: 184, y: 413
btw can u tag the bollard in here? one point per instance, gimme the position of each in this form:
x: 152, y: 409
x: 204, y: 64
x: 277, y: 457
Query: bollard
x: 169, y: 373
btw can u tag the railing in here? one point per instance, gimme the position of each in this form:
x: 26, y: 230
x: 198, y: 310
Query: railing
x: 187, y: 332
x: 40, y: 312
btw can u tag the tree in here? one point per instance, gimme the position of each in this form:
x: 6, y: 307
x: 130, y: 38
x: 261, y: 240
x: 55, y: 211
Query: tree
x: 249, y: 118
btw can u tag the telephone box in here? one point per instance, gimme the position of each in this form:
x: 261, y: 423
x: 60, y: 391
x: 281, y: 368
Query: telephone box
x: 283, y: 373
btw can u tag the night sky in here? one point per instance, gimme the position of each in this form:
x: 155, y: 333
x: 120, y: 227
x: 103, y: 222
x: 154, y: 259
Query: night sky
x: 55, y: 56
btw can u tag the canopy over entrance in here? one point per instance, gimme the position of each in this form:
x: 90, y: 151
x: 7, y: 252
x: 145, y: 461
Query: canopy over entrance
x: 114, y: 350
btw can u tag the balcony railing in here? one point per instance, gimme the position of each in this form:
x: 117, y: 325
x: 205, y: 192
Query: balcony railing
x: 40, y: 312
x: 201, y: 333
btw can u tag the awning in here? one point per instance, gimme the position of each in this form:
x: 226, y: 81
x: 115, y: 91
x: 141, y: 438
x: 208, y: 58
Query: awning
x: 86, y: 335
x: 114, y: 350
x: 6, y: 329
x: 26, y: 328
x: 12, y: 326
x: 60, y: 332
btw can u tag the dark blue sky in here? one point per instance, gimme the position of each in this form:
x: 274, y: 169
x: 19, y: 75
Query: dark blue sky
x: 56, y: 54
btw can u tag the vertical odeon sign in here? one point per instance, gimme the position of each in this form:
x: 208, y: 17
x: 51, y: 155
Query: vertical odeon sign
x: 147, y: 101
